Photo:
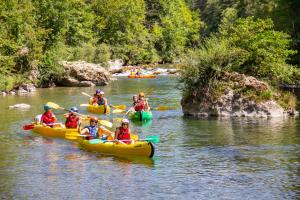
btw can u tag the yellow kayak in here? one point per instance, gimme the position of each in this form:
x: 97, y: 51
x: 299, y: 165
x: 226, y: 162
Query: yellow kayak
x: 47, y: 131
x: 98, y: 109
x: 139, y: 148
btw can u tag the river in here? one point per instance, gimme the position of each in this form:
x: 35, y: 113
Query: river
x: 195, y: 159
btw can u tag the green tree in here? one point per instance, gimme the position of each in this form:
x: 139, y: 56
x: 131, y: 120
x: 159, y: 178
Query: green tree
x: 175, y: 28
x: 79, y: 26
x: 121, y: 25
x: 267, y: 50
x: 20, y: 41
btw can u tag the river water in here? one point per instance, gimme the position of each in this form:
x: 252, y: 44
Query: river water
x: 195, y: 159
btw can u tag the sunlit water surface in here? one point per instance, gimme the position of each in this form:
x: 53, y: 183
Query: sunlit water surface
x: 195, y: 159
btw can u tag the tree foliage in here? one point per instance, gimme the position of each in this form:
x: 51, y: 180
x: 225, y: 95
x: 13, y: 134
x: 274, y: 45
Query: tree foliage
x: 246, y: 46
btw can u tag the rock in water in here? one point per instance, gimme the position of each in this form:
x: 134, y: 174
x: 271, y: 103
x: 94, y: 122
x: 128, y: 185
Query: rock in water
x: 20, y: 106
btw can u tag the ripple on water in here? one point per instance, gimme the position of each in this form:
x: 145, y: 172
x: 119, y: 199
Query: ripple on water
x: 195, y: 159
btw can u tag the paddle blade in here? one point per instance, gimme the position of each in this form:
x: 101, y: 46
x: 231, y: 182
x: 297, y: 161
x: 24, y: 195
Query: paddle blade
x: 84, y: 105
x: 122, y: 107
x: 152, y: 138
x: 117, y: 111
x: 162, y: 108
x: 53, y: 105
x: 101, y: 121
x: 105, y: 123
x: 117, y: 120
x: 86, y: 94
x: 28, y: 127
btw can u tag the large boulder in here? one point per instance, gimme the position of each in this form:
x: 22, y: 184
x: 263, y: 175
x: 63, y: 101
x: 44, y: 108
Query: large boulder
x: 115, y: 66
x: 232, y: 103
x: 83, y: 74
x: 20, y: 106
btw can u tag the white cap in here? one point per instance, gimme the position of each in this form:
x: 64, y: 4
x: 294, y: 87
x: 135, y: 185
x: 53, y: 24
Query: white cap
x: 125, y: 121
x: 101, y: 92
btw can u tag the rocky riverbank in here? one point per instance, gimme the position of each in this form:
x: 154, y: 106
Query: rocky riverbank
x: 116, y: 68
x: 237, y: 96
x: 83, y: 74
x: 23, y: 89
x: 76, y: 74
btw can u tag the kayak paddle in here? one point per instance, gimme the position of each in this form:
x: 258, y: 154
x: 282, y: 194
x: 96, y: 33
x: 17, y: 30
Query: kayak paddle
x: 85, y: 94
x: 121, y: 107
x: 118, y: 111
x: 28, y: 127
x: 162, y: 108
x: 153, y: 138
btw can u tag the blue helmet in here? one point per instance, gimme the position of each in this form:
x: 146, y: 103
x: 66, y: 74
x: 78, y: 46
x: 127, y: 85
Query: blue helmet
x: 74, y: 109
x: 98, y: 91
x: 47, y: 107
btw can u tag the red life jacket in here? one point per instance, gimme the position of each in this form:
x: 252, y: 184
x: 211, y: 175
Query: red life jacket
x: 140, y: 105
x: 124, y: 134
x: 71, y: 121
x: 48, y: 118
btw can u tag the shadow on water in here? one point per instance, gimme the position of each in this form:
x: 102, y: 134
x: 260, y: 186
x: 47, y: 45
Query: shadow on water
x: 144, y: 124
x: 241, y: 131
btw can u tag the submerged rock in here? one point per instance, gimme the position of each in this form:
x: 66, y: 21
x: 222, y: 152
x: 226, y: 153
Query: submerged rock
x: 20, y: 106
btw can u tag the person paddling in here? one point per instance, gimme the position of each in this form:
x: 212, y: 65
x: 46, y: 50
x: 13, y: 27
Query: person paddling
x: 135, y: 100
x: 72, y: 120
x: 142, y: 104
x: 94, y: 99
x: 99, y: 99
x: 123, y: 132
x: 93, y: 132
x: 48, y: 118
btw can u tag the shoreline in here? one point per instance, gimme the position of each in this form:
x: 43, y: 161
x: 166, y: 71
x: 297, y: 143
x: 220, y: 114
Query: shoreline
x: 120, y: 71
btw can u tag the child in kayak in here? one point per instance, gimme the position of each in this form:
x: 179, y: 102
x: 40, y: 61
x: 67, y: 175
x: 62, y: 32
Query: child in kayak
x: 99, y: 99
x: 72, y: 120
x: 48, y: 118
x: 94, y: 132
x: 123, y: 132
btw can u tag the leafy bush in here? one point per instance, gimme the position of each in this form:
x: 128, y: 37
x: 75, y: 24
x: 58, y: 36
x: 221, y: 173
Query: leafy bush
x: 266, y: 50
x: 8, y: 82
x: 245, y: 46
x: 207, y: 63
x: 50, y: 70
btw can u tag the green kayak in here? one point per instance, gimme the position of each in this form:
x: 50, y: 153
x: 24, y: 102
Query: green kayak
x: 140, y: 115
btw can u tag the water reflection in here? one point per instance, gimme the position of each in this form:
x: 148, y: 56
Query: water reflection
x: 145, y: 123
x: 195, y: 159
x: 229, y: 131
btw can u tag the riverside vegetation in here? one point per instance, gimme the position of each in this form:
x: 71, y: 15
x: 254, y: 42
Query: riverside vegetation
x: 208, y: 38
